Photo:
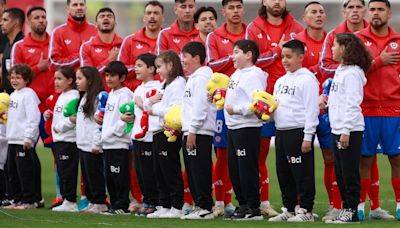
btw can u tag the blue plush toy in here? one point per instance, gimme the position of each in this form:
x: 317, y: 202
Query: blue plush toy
x: 101, y: 98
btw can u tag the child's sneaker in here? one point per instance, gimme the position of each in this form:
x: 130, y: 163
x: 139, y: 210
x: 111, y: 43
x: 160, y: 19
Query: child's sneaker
x: 361, y: 211
x: 199, y: 213
x: 134, y: 206
x: 159, y: 211
x: 172, y: 213
x: 379, y: 213
x: 267, y: 210
x: 302, y: 216
x: 39, y: 204
x: 24, y: 206
x: 12, y: 205
x: 331, y: 214
x: 284, y: 216
x: 56, y: 202
x: 240, y: 213
x: 187, y: 208
x: 345, y: 216
x: 96, y: 208
x: 83, y: 203
x: 66, y: 206
x: 116, y: 212
x: 254, y: 214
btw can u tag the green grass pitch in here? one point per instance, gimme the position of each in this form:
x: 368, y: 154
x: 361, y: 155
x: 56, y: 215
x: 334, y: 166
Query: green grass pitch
x: 47, y: 218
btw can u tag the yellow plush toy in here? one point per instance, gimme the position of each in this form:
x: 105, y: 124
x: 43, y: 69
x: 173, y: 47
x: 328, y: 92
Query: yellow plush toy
x: 263, y: 102
x: 4, y: 104
x: 173, y: 123
x: 217, y: 88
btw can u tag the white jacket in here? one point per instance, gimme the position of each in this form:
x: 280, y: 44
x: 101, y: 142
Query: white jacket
x: 297, y: 94
x: 3, y: 146
x: 88, y: 134
x: 153, y: 120
x: 64, y: 127
x: 23, y: 117
x: 239, y: 94
x: 112, y: 135
x: 172, y: 95
x: 198, y: 114
x: 344, y: 101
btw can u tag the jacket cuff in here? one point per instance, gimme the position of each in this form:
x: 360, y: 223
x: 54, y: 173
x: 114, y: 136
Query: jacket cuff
x: 193, y: 130
x: 308, y: 137
x: 345, y: 131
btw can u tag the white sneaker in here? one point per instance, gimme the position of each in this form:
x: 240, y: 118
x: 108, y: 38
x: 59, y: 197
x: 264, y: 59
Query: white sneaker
x: 331, y: 214
x: 302, y: 216
x: 160, y: 210
x: 218, y: 210
x: 173, y: 213
x: 199, y: 213
x: 379, y: 213
x: 187, y: 208
x: 346, y: 216
x: 97, y: 208
x: 25, y: 206
x: 89, y: 206
x: 134, y: 206
x: 67, y: 206
x: 267, y: 210
x: 284, y: 216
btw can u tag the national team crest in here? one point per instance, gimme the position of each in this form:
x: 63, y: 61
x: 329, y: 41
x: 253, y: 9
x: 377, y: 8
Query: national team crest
x: 292, y: 35
x: 394, y: 45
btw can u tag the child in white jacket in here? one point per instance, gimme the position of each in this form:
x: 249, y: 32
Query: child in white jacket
x: 22, y: 134
x: 347, y: 121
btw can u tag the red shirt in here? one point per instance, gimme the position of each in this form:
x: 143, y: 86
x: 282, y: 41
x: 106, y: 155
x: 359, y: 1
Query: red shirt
x: 382, y: 91
x: 95, y: 53
x: 173, y: 38
x: 268, y: 36
x: 220, y: 47
x: 133, y: 46
x: 29, y: 52
x: 66, y: 41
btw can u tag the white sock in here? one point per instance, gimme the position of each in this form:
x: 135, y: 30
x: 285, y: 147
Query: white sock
x: 265, y: 204
x: 398, y: 206
x: 361, y: 206
x: 219, y: 203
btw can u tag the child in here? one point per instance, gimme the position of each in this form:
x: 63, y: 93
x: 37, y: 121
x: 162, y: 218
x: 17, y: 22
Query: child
x: 296, y: 120
x: 244, y: 129
x: 145, y: 70
x: 22, y: 133
x: 347, y: 121
x: 64, y: 137
x: 167, y: 159
x: 198, y: 126
x: 115, y: 140
x: 88, y: 139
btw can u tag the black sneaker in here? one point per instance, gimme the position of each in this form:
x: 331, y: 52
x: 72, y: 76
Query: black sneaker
x: 240, y: 213
x: 346, y: 216
x: 254, y: 214
x: 116, y: 212
x: 39, y: 204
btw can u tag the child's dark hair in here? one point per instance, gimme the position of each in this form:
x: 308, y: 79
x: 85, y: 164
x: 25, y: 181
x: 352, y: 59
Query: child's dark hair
x: 68, y: 73
x: 116, y: 68
x: 149, y: 59
x: 295, y: 45
x: 173, y: 58
x: 94, y: 86
x: 248, y: 45
x: 355, y: 52
x: 24, y: 70
x: 195, y: 48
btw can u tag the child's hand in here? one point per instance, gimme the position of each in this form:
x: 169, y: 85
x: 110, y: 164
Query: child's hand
x: 47, y: 114
x: 344, y: 141
x: 27, y: 146
x: 191, y: 142
x: 72, y: 119
x: 95, y: 151
x: 98, y: 119
x: 229, y: 109
x: 156, y: 98
x: 128, y: 118
x: 306, y: 147
x: 322, y: 101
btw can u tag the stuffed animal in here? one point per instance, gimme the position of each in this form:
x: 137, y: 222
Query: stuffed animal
x: 128, y: 107
x: 216, y: 87
x: 50, y: 104
x: 101, y: 98
x: 144, y: 121
x: 4, y: 104
x: 326, y: 86
x: 173, y: 123
x: 263, y: 102
x: 71, y: 108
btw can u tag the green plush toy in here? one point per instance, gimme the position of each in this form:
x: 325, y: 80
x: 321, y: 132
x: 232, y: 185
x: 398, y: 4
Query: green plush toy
x: 71, y: 109
x: 128, y: 107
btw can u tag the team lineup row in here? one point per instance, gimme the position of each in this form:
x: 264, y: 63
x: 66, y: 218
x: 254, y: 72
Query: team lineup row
x: 78, y: 44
